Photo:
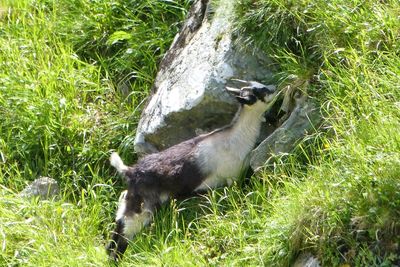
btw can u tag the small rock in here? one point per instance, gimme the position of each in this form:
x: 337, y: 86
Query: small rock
x: 306, y: 260
x: 43, y: 187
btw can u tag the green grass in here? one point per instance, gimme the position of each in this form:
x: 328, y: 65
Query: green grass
x: 74, y: 75
x: 346, y: 206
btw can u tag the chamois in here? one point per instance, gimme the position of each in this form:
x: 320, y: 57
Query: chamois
x: 203, y: 162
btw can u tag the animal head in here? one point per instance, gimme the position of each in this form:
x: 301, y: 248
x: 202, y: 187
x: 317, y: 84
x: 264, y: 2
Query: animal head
x: 253, y: 93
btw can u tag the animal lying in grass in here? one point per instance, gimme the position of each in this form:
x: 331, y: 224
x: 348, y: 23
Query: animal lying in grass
x: 203, y: 162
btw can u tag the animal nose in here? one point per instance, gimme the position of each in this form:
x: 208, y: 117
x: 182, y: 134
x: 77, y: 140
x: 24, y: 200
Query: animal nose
x: 264, y: 90
x: 270, y: 88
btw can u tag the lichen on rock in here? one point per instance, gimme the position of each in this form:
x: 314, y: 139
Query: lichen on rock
x: 43, y: 187
x: 188, y: 92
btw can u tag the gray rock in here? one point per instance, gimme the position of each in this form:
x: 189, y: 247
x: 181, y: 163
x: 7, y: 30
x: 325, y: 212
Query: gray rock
x: 303, y: 119
x: 306, y: 260
x: 43, y: 187
x: 189, y: 97
x: 188, y: 93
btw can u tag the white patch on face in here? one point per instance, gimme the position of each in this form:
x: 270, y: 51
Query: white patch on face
x: 135, y: 223
x: 121, y: 205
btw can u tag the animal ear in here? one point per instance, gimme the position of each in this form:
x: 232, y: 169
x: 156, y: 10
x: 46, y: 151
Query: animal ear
x: 247, y: 99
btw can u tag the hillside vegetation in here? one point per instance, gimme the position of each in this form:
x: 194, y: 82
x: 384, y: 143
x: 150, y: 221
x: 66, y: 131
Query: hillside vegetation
x: 73, y: 78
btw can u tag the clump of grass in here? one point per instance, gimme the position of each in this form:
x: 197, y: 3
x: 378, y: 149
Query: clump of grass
x: 126, y: 38
x: 49, y: 233
x: 58, y: 98
x: 344, y: 210
x: 73, y: 77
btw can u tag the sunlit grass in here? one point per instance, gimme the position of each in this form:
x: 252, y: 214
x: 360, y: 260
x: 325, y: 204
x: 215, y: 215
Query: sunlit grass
x: 345, y: 209
x: 64, y: 106
x: 74, y: 75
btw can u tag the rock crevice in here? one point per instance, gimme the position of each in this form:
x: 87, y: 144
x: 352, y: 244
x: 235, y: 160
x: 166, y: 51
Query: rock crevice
x: 189, y: 87
x: 189, y: 94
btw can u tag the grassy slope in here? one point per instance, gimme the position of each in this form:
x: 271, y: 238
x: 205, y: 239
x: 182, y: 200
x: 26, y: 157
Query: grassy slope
x: 347, y: 205
x: 63, y: 103
x: 64, y: 70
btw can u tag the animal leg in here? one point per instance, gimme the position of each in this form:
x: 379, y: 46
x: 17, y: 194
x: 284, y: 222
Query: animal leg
x: 118, y: 240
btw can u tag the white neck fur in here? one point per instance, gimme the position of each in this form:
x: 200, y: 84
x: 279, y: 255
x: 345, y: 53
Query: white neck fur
x: 224, y: 154
x: 246, y: 127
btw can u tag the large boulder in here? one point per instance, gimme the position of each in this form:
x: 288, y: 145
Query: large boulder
x: 189, y: 97
x: 188, y: 94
